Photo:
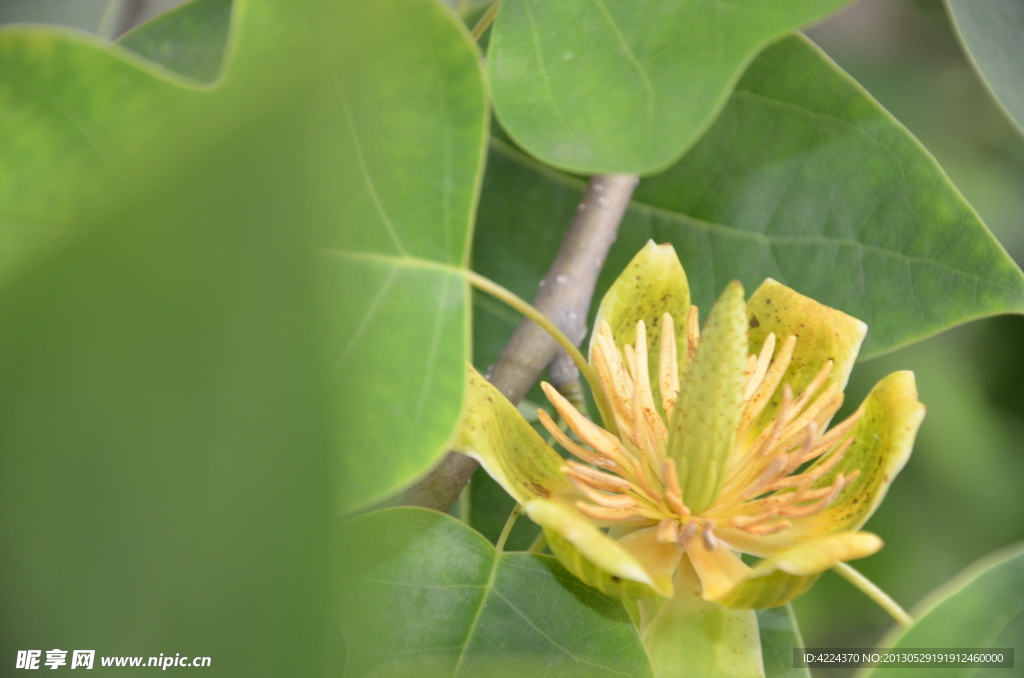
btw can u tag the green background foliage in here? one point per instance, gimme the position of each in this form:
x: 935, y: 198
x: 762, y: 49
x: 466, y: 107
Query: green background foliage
x: 164, y: 452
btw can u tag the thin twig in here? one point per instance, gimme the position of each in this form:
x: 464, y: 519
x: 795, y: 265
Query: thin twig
x: 507, y: 530
x: 871, y: 590
x: 486, y: 20
x: 564, y: 297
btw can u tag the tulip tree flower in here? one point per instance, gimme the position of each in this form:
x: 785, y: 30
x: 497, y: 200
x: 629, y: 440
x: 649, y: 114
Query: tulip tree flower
x: 720, y: 444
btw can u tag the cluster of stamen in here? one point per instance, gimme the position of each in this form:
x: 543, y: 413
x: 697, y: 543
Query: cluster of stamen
x: 630, y: 479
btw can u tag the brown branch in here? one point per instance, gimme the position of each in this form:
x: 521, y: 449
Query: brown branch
x: 564, y: 296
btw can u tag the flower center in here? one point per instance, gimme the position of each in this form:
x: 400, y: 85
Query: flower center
x: 631, y: 480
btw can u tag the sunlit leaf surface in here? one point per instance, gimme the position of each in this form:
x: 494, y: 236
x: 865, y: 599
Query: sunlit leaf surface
x: 625, y: 85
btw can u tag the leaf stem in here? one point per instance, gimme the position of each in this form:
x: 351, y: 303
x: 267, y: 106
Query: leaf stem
x: 486, y: 20
x: 507, y: 530
x: 539, y: 543
x: 519, y: 304
x: 871, y: 590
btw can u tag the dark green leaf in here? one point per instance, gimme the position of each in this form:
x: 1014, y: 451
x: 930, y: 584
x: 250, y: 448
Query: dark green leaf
x: 424, y: 596
x: 779, y: 635
x: 189, y: 39
x: 981, y: 608
x: 625, y: 85
x: 803, y: 178
x: 992, y: 32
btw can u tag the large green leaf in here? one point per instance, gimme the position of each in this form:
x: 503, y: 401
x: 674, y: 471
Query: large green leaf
x: 422, y: 595
x: 625, y: 85
x: 981, y: 608
x: 803, y: 178
x: 166, y: 473
x: 398, y: 175
x: 991, y: 32
x: 395, y: 251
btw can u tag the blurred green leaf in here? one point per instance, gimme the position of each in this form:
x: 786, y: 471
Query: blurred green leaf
x: 165, y: 462
x: 981, y: 608
x: 625, y: 85
x: 398, y: 177
x: 424, y: 596
x: 166, y: 478
x: 991, y: 32
x: 779, y: 635
x: 189, y: 39
x: 803, y: 178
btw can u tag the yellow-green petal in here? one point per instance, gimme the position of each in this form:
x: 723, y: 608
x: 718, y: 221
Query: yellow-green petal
x: 494, y: 432
x: 789, y: 574
x: 511, y: 451
x: 823, y: 334
x: 707, y: 412
x: 653, y: 284
x: 883, y: 440
x: 592, y: 556
x: 688, y: 636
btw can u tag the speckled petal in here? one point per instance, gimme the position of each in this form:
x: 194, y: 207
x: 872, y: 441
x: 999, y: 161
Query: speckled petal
x: 883, y: 440
x: 493, y: 432
x: 512, y: 452
x: 651, y: 285
x: 823, y: 334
